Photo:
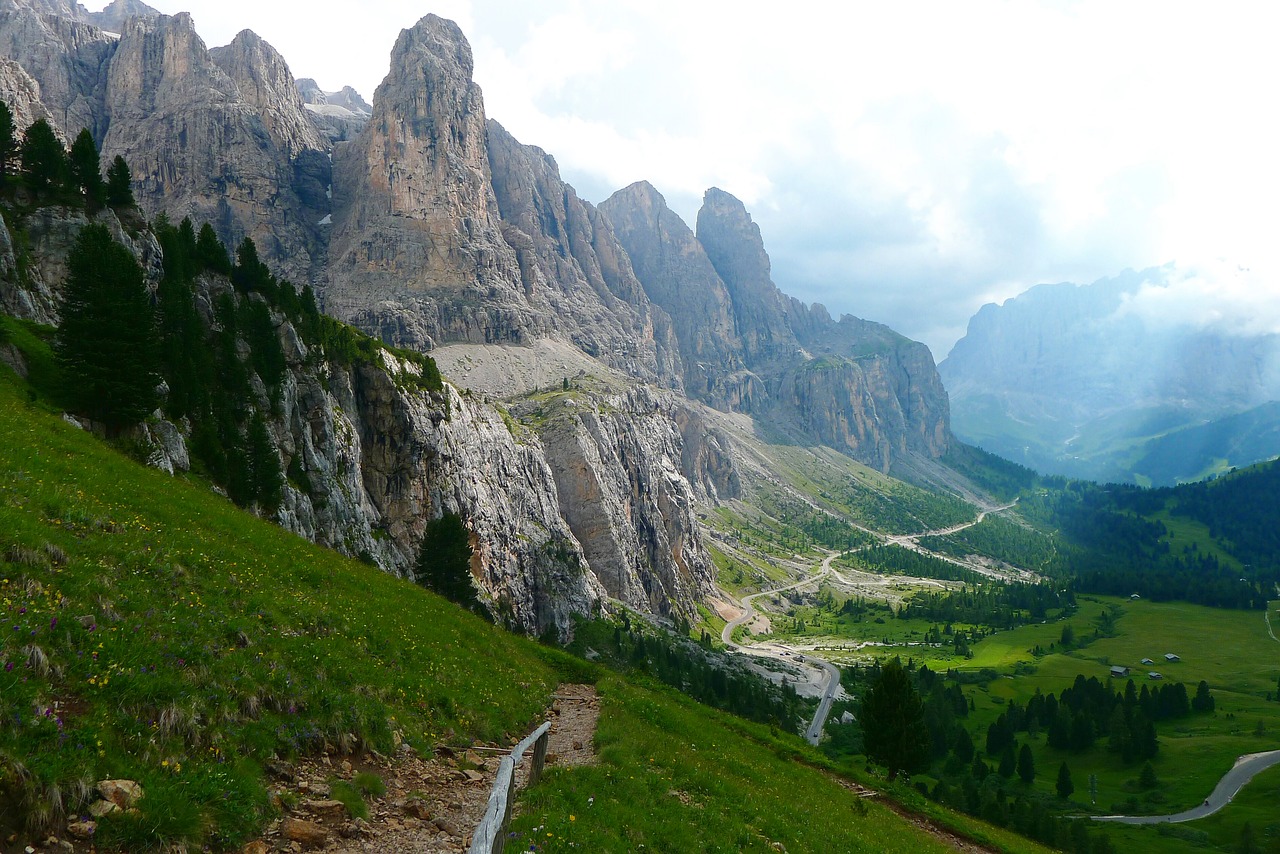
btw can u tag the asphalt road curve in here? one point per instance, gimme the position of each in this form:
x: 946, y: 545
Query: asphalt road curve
x: 1242, y: 772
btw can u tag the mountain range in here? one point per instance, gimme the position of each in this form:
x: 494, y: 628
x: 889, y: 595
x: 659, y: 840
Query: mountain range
x: 1079, y: 381
x: 421, y: 221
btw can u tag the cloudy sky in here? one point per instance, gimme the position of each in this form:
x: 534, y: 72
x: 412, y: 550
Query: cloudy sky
x: 907, y: 161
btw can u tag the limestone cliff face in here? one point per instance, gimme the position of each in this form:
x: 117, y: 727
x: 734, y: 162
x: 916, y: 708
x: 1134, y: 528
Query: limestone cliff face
x: 30, y: 290
x: 448, y: 230
x: 677, y: 275
x: 21, y: 93
x: 265, y: 83
x: 67, y: 56
x: 113, y: 16
x: 617, y: 460
x: 417, y: 252
x: 339, y: 116
x: 856, y: 386
x: 382, y: 460
x: 736, y: 250
x: 197, y: 148
x: 572, y: 267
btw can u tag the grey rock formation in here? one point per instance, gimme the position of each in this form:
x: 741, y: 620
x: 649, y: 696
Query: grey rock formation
x: 853, y: 385
x: 112, y: 17
x: 448, y: 230
x: 265, y: 83
x: 677, y: 276
x: 417, y: 252
x: 340, y: 115
x: 67, y: 56
x: 21, y: 93
x: 31, y: 290
x: 733, y: 243
x: 197, y: 148
x: 573, y: 270
x: 617, y: 460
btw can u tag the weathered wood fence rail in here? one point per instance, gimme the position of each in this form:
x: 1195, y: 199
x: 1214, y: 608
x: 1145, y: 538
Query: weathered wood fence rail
x: 491, y: 834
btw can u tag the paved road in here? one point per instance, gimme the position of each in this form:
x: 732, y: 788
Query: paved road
x: 814, y: 732
x: 1245, y: 769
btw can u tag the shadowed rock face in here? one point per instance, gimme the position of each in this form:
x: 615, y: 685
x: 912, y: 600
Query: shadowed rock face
x: 854, y: 385
x: 678, y: 276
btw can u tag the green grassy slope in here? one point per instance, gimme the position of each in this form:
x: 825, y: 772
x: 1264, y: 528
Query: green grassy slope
x: 152, y: 631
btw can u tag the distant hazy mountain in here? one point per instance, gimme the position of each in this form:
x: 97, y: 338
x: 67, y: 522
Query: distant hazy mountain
x: 1104, y: 382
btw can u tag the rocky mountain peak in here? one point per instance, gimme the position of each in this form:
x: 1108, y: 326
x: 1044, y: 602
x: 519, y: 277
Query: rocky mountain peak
x: 678, y: 276
x: 112, y: 18
x: 265, y: 82
x: 735, y: 247
x: 417, y: 252
x: 67, y: 56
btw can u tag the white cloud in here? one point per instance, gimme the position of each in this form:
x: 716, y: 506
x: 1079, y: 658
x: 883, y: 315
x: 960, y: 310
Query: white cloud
x: 1215, y: 295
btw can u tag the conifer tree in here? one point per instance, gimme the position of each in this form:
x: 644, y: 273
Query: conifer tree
x: 119, y: 184
x: 892, y: 720
x: 8, y: 141
x: 44, y: 160
x: 86, y: 170
x: 211, y: 253
x: 444, y: 561
x: 267, y: 480
x: 107, y: 343
x: 1065, y: 786
x: 1026, y: 764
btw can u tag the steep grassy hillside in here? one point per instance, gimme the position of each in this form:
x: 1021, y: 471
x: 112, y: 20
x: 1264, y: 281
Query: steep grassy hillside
x: 154, y: 632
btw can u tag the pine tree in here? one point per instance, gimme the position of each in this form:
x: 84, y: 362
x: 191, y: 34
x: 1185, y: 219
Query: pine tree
x: 892, y: 718
x: 266, y: 477
x: 1065, y: 786
x: 1026, y: 764
x: 1008, y: 762
x: 211, y: 253
x: 444, y: 561
x: 86, y: 170
x: 120, y: 184
x: 107, y: 343
x: 8, y: 141
x: 1147, y: 779
x: 44, y: 160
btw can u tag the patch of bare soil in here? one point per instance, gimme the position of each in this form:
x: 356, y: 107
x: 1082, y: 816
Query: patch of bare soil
x: 928, y: 825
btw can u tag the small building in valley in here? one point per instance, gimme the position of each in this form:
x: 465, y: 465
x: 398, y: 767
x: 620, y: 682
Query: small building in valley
x: 1168, y: 656
x: 1154, y: 675
x: 1147, y: 661
x: 1119, y: 671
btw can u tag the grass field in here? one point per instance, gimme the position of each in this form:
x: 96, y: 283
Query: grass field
x: 705, y: 782
x: 1230, y: 650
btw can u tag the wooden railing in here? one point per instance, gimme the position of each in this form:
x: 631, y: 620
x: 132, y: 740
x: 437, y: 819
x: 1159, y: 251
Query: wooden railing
x: 491, y: 834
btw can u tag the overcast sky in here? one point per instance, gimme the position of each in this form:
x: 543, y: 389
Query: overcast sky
x: 906, y: 161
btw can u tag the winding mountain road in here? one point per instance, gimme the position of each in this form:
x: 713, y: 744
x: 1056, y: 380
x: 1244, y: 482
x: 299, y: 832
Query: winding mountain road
x: 814, y: 731
x: 1245, y: 769
x: 831, y: 671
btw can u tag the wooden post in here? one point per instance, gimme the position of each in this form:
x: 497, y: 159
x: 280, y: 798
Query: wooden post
x: 539, y: 758
x: 491, y: 834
